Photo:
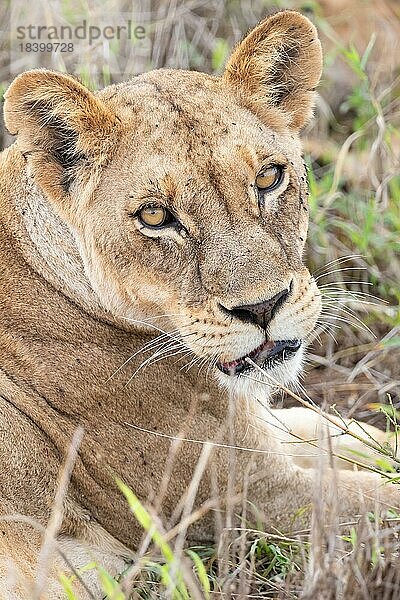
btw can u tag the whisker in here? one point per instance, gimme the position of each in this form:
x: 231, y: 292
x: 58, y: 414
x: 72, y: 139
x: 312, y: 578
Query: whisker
x: 360, y: 326
x: 159, y: 340
x: 339, y: 271
x: 358, y: 322
x: 212, y: 364
x: 355, y: 294
x: 191, y: 364
x: 333, y: 283
x: 339, y: 261
x: 147, y: 324
x: 183, y: 357
x: 326, y: 328
x: 166, y: 353
x: 329, y: 323
x: 166, y: 315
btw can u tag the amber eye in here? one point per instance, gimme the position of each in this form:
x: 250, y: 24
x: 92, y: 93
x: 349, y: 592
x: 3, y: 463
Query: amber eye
x: 269, y: 178
x: 155, y: 216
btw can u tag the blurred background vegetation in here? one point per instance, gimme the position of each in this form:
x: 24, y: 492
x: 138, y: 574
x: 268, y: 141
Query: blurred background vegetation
x: 353, y: 152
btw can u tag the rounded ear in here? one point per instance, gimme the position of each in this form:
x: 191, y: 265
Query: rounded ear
x: 278, y: 65
x: 59, y: 124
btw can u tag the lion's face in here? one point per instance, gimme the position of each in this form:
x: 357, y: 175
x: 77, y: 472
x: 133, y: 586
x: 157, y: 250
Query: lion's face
x: 178, y: 225
x: 192, y: 214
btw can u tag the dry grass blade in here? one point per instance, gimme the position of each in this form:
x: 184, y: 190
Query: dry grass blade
x: 55, y: 522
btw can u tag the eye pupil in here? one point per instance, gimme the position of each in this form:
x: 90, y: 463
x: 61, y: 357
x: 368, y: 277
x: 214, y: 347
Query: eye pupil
x: 269, y: 178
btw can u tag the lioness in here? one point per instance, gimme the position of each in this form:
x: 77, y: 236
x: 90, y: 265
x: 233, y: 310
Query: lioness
x: 163, y: 218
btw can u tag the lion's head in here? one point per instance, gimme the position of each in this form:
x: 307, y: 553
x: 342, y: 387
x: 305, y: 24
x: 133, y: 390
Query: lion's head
x: 187, y: 194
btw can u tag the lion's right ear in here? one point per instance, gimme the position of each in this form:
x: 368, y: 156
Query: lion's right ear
x: 59, y: 123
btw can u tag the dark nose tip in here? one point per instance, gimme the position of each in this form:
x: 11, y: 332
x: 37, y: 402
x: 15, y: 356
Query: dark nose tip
x: 261, y: 313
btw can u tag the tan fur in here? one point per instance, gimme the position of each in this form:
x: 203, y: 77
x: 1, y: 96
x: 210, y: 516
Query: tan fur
x: 83, y: 290
x: 328, y: 436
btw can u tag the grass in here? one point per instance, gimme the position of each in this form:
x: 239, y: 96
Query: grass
x: 352, y: 150
x: 267, y: 561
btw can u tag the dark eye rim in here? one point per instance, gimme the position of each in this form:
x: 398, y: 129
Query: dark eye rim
x: 170, y: 217
x: 277, y: 183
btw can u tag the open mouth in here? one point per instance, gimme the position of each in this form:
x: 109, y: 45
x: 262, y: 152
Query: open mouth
x: 267, y: 355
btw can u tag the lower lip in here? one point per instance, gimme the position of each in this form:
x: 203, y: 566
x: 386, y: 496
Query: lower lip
x: 267, y: 356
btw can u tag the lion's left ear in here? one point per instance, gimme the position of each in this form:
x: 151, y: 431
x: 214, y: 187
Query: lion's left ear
x: 59, y: 124
x: 278, y: 65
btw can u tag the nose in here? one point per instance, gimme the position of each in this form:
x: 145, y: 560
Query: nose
x: 261, y: 313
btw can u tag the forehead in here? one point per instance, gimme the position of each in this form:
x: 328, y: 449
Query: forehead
x: 181, y: 111
x: 185, y: 125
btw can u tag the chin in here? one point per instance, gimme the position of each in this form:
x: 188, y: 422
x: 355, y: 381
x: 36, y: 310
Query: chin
x: 252, y: 384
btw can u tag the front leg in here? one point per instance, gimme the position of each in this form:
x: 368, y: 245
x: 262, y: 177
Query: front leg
x: 281, y: 489
x: 292, y: 425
